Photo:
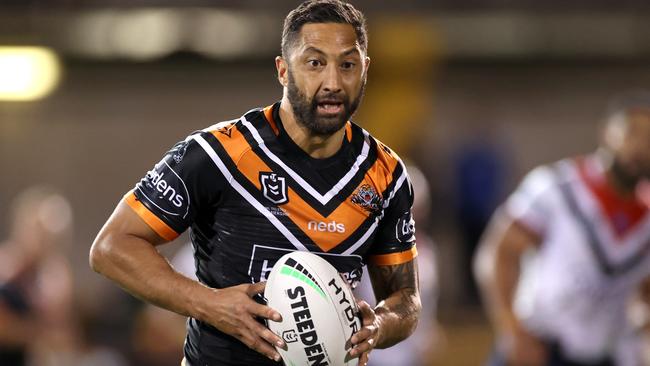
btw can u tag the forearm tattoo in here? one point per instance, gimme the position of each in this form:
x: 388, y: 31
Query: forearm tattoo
x: 398, y: 280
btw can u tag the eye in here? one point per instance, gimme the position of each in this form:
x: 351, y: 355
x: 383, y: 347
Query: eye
x: 314, y: 63
x: 347, y: 65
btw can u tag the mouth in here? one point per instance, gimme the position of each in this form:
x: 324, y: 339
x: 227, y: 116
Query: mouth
x: 330, y: 107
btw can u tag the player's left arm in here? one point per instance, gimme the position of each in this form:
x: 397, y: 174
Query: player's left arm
x: 398, y: 308
x: 640, y: 307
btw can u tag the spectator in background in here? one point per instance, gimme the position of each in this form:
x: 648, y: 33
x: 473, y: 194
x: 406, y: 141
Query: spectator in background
x: 569, y: 248
x: 36, y: 324
x: 480, y: 174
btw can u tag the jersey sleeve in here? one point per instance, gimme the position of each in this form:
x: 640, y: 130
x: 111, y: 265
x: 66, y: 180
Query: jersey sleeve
x: 395, y: 240
x: 529, y: 203
x: 180, y: 187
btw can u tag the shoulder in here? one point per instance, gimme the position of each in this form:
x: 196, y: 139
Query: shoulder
x: 387, y: 159
x: 234, y: 137
x: 543, y: 183
x: 549, y: 176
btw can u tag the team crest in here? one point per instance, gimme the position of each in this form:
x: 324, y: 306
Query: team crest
x: 274, y: 187
x: 367, y: 198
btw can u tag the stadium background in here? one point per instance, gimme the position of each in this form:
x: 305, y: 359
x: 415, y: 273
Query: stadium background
x: 475, y: 93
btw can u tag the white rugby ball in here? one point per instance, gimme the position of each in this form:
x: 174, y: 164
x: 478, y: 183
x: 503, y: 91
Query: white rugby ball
x: 319, y: 313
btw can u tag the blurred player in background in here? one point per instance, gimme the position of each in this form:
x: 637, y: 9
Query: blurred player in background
x: 36, y: 323
x: 569, y: 248
x: 297, y: 175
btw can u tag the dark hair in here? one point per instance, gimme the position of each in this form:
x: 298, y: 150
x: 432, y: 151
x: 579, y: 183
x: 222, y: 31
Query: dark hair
x: 323, y: 11
x: 630, y: 100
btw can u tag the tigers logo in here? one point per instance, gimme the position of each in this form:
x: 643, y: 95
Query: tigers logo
x: 274, y: 187
x: 367, y: 198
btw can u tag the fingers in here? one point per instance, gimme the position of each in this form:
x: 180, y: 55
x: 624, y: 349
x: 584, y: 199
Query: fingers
x: 256, y: 288
x: 363, y: 334
x: 265, y: 312
x: 266, y: 334
x: 363, y: 360
x: 367, y: 314
x: 260, y: 345
x: 364, y: 339
x: 365, y: 346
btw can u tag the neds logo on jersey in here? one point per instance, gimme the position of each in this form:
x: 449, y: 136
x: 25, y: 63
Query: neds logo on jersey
x: 166, y: 190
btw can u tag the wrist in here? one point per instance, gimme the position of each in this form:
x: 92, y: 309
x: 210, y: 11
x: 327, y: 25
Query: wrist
x: 381, y: 314
x: 199, y: 299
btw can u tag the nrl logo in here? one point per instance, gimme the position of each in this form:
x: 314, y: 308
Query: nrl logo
x: 274, y: 187
x: 367, y: 198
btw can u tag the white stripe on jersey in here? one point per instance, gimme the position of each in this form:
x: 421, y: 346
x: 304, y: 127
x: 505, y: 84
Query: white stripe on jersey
x: 323, y: 199
x: 247, y: 196
x: 372, y: 228
x: 278, y: 225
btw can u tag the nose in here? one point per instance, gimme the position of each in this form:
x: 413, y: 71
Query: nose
x: 332, y: 79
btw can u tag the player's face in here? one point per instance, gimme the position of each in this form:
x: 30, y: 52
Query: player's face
x: 632, y: 155
x: 326, y: 76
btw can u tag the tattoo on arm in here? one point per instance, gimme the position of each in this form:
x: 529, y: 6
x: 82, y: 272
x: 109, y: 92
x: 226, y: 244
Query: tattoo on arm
x: 400, y: 280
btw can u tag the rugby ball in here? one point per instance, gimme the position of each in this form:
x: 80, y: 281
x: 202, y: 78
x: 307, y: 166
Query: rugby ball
x: 319, y: 312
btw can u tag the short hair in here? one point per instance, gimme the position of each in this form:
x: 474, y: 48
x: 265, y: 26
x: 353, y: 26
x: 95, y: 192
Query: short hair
x: 323, y: 11
x: 625, y: 102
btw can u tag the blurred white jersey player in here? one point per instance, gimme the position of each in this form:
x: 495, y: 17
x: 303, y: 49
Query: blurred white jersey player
x: 568, y: 250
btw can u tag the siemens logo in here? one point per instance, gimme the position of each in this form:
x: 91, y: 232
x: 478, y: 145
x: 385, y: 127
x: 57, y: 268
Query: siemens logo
x: 329, y: 227
x: 168, y: 192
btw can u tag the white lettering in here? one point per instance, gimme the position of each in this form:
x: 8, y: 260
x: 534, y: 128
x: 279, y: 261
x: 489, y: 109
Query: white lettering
x: 161, y: 186
x: 178, y: 201
x: 165, y: 188
x: 330, y: 227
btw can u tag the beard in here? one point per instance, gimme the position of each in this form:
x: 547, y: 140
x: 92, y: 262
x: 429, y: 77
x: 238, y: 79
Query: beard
x: 624, y: 177
x: 306, y: 111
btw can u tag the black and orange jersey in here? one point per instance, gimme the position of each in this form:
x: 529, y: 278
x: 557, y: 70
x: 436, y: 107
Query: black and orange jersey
x: 250, y: 195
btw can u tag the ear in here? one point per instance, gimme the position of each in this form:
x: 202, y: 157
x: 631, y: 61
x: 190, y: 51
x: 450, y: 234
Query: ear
x: 615, y: 130
x: 283, y: 69
x: 366, y: 66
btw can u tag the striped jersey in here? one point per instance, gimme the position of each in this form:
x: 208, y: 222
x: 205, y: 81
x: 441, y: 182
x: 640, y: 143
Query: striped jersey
x: 594, y: 253
x: 250, y: 195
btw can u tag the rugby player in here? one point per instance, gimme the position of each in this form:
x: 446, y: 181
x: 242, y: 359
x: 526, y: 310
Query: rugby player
x: 296, y: 175
x: 587, y: 230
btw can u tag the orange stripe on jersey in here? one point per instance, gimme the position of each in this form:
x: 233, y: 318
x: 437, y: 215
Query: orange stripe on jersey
x: 268, y: 113
x: 299, y: 211
x: 234, y: 142
x: 348, y: 130
x: 380, y: 174
x: 393, y: 258
x: 149, y: 218
x: 326, y: 232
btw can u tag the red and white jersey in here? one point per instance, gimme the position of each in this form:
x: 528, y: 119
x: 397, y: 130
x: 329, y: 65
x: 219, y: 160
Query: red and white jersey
x: 594, y: 253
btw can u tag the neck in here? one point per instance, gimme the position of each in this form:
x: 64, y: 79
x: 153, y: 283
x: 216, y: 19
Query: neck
x: 622, y: 186
x: 317, y: 146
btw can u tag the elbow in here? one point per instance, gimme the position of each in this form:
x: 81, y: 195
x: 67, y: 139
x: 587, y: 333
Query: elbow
x: 416, y: 310
x: 99, y: 254
x: 483, y: 263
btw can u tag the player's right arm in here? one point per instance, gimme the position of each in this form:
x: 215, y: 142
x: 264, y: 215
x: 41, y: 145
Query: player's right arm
x: 125, y: 252
x: 497, y: 271
x: 514, y: 229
